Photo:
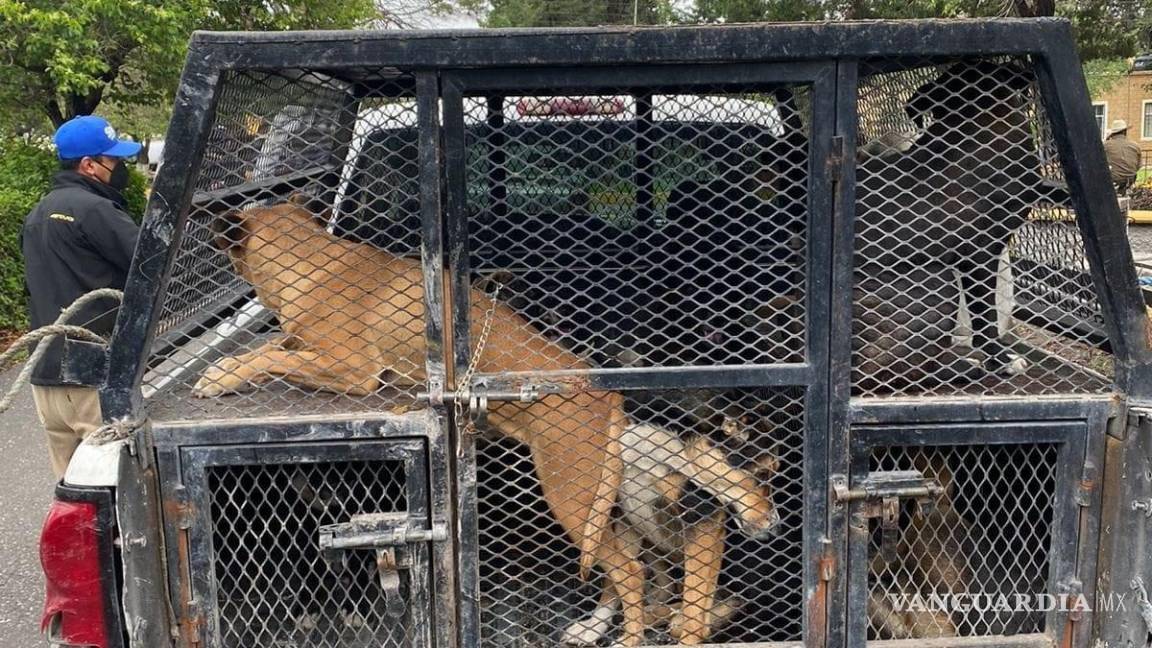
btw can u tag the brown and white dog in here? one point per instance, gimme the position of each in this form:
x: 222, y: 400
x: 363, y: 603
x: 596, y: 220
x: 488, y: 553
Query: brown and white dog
x: 678, y: 490
x: 352, y: 318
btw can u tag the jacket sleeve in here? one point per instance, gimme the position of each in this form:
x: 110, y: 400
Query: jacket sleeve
x: 112, y: 234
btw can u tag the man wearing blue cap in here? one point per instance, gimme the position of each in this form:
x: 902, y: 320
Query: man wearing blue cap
x: 77, y: 239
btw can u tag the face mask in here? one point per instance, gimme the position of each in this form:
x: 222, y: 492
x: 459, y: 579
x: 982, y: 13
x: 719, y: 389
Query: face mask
x: 118, y: 178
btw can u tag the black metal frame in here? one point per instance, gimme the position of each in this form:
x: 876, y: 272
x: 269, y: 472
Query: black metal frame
x: 1071, y: 438
x: 184, y: 452
x: 449, y: 65
x: 644, y: 81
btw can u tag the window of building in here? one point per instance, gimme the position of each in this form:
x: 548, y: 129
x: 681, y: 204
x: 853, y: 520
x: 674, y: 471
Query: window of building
x: 1101, y: 110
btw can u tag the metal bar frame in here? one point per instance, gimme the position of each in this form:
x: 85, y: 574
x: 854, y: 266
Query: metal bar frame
x: 655, y: 49
x: 160, y: 236
x: 645, y: 81
x: 194, y: 553
x: 1067, y: 529
x: 601, y: 53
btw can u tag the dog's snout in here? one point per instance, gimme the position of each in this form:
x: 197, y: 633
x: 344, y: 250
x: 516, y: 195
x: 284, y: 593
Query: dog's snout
x: 764, y: 528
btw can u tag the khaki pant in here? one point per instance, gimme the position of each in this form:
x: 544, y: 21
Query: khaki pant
x: 68, y: 414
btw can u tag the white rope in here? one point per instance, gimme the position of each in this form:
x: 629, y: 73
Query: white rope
x: 60, y: 327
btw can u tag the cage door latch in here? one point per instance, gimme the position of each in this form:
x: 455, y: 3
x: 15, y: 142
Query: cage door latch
x: 390, y: 536
x: 881, y: 493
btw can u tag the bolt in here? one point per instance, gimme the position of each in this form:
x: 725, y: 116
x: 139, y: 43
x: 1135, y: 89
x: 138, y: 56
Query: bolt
x: 1143, y: 505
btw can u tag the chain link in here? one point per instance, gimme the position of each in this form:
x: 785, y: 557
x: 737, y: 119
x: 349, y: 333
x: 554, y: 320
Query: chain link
x: 464, y: 384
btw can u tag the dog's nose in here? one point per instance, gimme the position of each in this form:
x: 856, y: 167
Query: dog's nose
x: 766, y: 530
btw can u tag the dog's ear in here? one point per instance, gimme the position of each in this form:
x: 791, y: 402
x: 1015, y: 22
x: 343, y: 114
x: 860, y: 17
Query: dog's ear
x: 321, y: 213
x: 230, y: 229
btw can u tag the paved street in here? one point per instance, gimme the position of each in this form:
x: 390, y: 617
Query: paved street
x: 1140, y: 236
x: 23, y: 502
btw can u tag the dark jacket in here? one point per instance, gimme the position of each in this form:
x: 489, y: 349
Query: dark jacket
x: 77, y: 239
x: 1123, y: 157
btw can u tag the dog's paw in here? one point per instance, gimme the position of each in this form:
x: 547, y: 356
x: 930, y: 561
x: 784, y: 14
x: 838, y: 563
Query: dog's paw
x: 219, y: 379
x: 1018, y: 366
x: 1012, y: 365
x: 588, y: 632
x: 354, y: 620
x: 687, y: 631
x: 307, y: 621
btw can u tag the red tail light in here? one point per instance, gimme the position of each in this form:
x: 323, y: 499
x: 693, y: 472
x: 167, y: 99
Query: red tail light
x: 70, y: 555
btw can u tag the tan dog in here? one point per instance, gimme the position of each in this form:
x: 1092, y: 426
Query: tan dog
x: 352, y: 318
x: 653, y: 520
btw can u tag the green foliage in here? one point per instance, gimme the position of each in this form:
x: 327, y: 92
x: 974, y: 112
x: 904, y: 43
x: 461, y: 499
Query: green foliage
x: 13, y: 309
x: 277, y: 15
x: 1103, y: 28
x: 136, y: 194
x: 574, y: 13
x: 63, y: 60
x: 1107, y: 29
x: 26, y: 171
x: 1102, y: 74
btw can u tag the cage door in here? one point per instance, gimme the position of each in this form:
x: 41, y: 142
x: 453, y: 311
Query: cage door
x: 636, y: 256
x: 313, y: 545
x: 960, y: 532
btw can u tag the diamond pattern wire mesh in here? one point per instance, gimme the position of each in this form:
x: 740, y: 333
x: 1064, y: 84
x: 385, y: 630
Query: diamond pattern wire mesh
x: 970, y: 273
x: 989, y: 535
x: 277, y: 136
x: 274, y: 587
x: 660, y: 236
x: 530, y: 591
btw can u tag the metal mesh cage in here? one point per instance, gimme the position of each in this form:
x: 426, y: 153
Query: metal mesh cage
x: 274, y: 585
x: 706, y: 472
x: 645, y: 230
x: 970, y: 273
x: 347, y: 161
x: 629, y: 262
x: 941, y: 573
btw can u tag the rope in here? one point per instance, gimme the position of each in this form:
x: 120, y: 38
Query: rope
x: 60, y: 327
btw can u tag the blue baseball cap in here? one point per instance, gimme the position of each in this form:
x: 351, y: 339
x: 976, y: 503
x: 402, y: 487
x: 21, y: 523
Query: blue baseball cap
x: 89, y: 136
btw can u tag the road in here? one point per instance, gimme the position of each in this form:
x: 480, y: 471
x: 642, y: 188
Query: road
x: 1140, y: 236
x: 23, y: 502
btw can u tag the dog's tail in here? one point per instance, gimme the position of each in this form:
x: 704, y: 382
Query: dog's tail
x: 611, y: 474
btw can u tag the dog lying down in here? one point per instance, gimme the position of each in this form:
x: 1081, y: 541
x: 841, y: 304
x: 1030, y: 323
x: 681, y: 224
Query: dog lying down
x: 352, y: 322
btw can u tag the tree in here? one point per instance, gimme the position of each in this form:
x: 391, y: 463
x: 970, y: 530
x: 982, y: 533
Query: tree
x: 1104, y: 28
x: 571, y: 13
x: 66, y: 59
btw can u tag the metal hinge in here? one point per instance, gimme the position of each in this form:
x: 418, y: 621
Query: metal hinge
x: 1071, y: 592
x: 835, y: 156
x: 827, y: 564
x: 881, y: 493
x: 1084, y: 491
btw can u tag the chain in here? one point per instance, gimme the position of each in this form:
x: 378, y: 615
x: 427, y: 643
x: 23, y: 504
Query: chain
x: 464, y: 384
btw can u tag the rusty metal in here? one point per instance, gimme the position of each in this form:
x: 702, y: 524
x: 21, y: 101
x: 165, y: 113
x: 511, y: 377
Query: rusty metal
x: 801, y: 256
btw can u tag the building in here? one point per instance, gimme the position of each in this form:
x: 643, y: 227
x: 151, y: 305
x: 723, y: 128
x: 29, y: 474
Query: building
x: 1129, y: 98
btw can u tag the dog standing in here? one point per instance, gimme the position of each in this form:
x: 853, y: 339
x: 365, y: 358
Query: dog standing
x: 352, y: 318
x: 678, y: 489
